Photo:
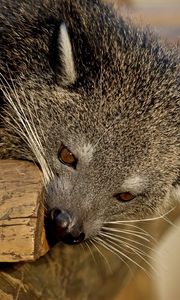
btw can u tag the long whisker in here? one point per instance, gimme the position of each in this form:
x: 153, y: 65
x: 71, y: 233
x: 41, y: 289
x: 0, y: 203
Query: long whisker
x: 30, y: 138
x: 81, y: 245
x: 141, y: 254
x: 141, y: 220
x: 140, y: 232
x: 34, y: 127
x: 17, y: 128
x: 26, y: 130
x: 110, y: 243
x: 122, y: 231
x: 37, y: 139
x: 127, y: 239
x: 112, y: 250
x: 122, y: 253
x: 101, y: 254
x: 91, y: 252
x: 133, y: 226
x: 131, y: 243
x: 166, y: 219
x: 128, y: 231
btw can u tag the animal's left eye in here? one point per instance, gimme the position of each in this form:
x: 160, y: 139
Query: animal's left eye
x: 124, y: 197
x: 67, y: 157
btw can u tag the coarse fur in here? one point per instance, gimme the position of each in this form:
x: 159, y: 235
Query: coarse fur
x: 74, y: 73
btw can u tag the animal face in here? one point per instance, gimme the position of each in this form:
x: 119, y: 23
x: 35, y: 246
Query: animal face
x: 106, y: 171
x: 97, y: 168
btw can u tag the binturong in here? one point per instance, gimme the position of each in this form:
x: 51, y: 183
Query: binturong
x: 94, y: 101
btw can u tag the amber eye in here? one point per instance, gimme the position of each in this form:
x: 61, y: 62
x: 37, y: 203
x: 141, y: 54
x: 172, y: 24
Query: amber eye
x: 67, y: 157
x: 124, y: 197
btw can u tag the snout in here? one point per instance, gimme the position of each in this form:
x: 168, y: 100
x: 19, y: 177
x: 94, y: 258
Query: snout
x: 60, y: 226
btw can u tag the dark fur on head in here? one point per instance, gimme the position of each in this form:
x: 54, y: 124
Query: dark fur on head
x: 74, y: 73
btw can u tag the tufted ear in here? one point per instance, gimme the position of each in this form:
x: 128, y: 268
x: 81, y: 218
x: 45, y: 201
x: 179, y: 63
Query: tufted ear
x: 68, y: 72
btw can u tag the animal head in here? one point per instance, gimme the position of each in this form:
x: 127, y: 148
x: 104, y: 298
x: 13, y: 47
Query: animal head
x: 107, y: 143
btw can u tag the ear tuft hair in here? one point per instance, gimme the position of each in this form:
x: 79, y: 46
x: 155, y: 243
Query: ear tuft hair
x: 66, y: 57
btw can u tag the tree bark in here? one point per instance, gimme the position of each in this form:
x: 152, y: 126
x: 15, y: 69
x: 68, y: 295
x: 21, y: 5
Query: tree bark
x: 22, y: 235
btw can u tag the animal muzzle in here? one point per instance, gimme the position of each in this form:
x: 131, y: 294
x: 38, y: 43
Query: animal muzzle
x: 60, y: 227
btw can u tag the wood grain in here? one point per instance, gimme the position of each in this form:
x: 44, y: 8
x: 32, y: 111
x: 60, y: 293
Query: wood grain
x: 22, y: 235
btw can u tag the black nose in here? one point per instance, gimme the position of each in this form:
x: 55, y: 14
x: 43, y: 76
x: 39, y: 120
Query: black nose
x: 59, y: 227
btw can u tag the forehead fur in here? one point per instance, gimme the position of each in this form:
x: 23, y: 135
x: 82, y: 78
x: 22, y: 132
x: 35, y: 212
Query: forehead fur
x: 135, y: 184
x: 85, y: 151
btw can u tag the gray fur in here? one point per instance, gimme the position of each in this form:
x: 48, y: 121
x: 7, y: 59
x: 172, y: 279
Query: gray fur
x: 120, y: 117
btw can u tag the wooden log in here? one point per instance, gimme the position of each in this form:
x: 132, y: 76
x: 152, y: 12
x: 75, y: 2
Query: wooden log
x: 22, y: 234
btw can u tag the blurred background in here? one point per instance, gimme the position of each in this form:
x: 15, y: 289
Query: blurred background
x: 164, y: 17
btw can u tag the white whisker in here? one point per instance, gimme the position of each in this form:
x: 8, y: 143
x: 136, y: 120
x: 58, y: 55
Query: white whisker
x: 126, y: 256
x: 122, y: 231
x: 138, y: 232
x: 128, y: 231
x: 166, y: 219
x: 91, y: 252
x: 141, y: 220
x: 127, y: 239
x: 25, y: 128
x: 112, y: 250
x: 131, y: 243
x: 101, y: 254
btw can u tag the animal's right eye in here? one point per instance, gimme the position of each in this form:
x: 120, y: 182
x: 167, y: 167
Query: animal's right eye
x: 124, y: 197
x: 67, y: 157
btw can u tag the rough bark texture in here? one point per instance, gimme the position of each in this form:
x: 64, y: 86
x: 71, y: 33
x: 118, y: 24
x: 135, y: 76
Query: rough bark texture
x: 22, y: 235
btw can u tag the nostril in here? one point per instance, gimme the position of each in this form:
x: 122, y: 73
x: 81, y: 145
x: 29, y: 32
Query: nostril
x: 61, y: 219
x: 54, y: 213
